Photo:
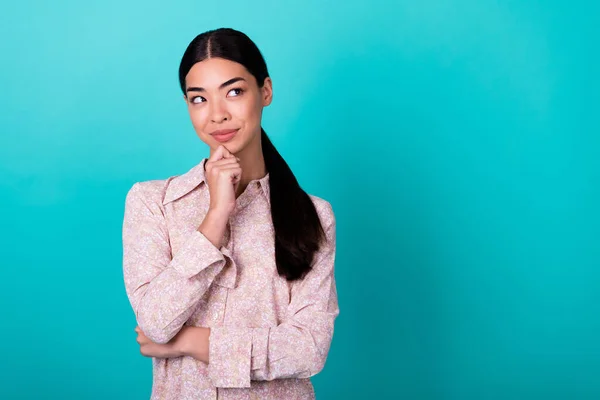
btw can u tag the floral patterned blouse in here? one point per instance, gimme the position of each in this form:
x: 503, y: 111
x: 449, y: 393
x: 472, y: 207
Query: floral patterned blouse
x: 268, y: 335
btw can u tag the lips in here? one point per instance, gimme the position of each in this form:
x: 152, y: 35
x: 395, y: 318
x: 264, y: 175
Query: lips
x: 224, y: 135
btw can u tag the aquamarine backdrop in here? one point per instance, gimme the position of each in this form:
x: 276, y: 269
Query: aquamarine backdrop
x: 457, y: 140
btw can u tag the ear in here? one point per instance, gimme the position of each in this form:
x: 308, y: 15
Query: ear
x: 267, y: 92
x: 185, y: 98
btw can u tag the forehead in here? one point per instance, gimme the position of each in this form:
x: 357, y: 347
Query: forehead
x: 214, y: 71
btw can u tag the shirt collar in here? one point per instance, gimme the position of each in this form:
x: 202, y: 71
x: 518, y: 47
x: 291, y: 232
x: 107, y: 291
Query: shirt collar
x: 180, y: 185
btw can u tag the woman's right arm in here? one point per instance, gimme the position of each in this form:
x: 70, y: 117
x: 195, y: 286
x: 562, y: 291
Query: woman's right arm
x: 164, y: 290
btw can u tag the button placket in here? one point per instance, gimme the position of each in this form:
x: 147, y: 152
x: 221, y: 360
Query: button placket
x: 230, y: 225
x: 228, y: 245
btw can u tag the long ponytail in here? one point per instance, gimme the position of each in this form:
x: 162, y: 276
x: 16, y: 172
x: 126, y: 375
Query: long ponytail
x: 298, y: 230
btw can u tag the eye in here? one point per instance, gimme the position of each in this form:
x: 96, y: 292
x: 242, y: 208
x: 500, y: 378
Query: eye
x: 196, y: 98
x: 240, y: 91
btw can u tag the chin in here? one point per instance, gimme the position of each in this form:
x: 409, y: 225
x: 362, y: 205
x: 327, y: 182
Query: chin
x: 231, y: 146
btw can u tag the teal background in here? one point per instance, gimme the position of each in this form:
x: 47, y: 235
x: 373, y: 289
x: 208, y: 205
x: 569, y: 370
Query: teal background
x: 458, y: 142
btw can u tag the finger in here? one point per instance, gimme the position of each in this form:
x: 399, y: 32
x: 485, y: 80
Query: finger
x: 233, y: 171
x: 229, y: 167
x: 226, y: 153
x: 223, y: 152
x: 219, y: 165
x: 225, y: 162
x: 230, y: 156
x: 218, y: 154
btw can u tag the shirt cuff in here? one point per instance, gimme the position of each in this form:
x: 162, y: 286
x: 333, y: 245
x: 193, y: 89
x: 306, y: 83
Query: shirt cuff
x: 228, y: 276
x: 195, y: 255
x: 260, y: 345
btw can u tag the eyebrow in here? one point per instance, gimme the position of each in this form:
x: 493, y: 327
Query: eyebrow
x: 224, y: 84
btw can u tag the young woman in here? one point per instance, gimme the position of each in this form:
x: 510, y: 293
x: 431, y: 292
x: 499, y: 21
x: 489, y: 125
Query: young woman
x: 229, y: 267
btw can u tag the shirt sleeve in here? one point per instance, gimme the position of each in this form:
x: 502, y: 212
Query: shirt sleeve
x: 163, y: 290
x: 298, y: 347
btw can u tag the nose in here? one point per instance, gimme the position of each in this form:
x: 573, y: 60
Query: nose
x: 218, y: 113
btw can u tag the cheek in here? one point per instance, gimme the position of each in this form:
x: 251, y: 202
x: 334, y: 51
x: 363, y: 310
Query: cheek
x: 198, y: 118
x: 249, y: 111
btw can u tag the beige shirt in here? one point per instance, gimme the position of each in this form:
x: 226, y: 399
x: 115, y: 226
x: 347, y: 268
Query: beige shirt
x: 268, y: 336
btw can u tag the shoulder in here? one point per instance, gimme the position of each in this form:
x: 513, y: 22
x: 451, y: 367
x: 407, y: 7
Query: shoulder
x: 150, y: 193
x: 324, y: 210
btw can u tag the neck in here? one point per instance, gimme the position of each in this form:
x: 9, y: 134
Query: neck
x: 252, y: 162
x: 253, y: 167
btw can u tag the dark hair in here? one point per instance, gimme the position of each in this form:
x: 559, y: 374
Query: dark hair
x: 298, y: 230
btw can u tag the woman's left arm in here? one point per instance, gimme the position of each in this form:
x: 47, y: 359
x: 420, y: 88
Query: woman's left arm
x: 298, y: 347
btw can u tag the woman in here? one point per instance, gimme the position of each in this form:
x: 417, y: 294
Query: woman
x: 229, y: 267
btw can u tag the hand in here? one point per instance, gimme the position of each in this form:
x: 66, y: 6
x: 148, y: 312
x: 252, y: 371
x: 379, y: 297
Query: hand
x: 223, y: 175
x: 150, y: 349
x: 195, y: 342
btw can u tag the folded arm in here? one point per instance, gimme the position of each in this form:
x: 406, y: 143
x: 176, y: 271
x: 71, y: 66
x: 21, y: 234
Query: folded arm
x: 164, y: 290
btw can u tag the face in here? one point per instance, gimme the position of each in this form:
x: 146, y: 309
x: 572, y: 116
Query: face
x: 223, y: 95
